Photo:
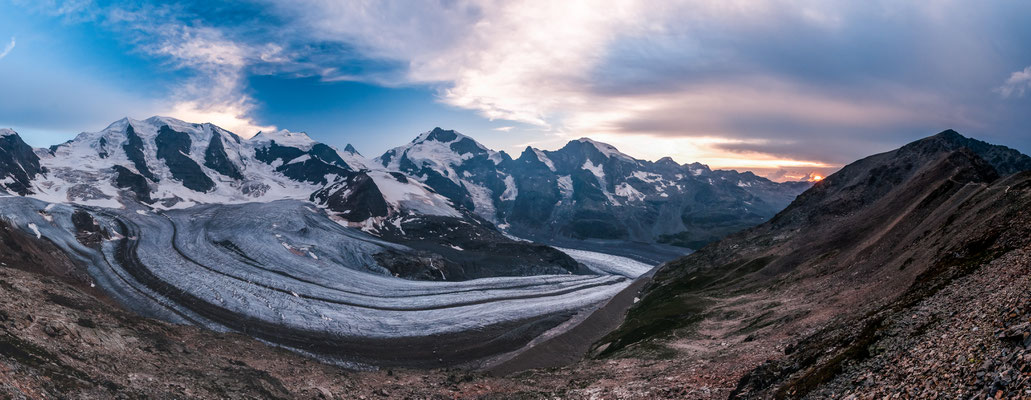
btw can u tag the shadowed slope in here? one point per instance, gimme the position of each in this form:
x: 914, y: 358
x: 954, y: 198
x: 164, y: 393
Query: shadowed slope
x: 860, y: 240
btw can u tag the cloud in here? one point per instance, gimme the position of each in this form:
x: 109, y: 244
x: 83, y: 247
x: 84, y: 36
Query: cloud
x: 509, y: 60
x: 216, y: 65
x: 227, y: 116
x: 215, y: 93
x: 504, y: 128
x: 1017, y: 84
x: 780, y: 85
x: 7, y: 49
x: 682, y: 69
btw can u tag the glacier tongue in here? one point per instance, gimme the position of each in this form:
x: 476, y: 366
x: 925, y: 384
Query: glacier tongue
x: 285, y: 273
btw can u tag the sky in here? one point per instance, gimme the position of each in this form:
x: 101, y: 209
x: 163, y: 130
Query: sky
x: 782, y: 88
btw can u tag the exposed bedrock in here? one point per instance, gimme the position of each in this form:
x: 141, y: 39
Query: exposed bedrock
x: 18, y: 164
x: 174, y: 148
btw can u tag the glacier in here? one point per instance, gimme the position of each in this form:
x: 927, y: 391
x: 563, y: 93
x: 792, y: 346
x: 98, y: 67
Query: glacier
x: 288, y: 274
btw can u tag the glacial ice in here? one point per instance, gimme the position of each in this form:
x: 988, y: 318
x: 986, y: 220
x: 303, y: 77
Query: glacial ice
x: 286, y: 275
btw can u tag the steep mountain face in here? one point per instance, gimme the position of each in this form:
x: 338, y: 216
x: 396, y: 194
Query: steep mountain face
x: 19, y: 165
x: 871, y: 178
x: 589, y: 190
x: 862, y: 247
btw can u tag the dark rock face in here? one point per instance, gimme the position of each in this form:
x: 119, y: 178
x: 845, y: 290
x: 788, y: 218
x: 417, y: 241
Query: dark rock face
x: 172, y: 146
x: 322, y: 161
x: 102, y: 151
x: 312, y: 170
x: 273, y: 152
x: 1005, y: 160
x: 693, y: 206
x: 357, y: 198
x: 18, y: 163
x: 25, y: 252
x: 134, y: 150
x: 399, y: 177
x: 469, y: 249
x: 328, y: 155
x: 442, y: 136
x: 87, y: 230
x: 447, y: 188
x: 215, y: 157
x: 589, y: 224
x: 467, y: 146
x: 538, y: 192
x: 136, y: 183
x: 53, y: 148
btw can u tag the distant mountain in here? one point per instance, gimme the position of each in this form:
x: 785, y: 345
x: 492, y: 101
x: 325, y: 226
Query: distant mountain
x: 590, y: 190
x: 834, y: 274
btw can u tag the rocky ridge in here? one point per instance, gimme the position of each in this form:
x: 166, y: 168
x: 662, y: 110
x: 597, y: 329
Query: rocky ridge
x: 857, y: 249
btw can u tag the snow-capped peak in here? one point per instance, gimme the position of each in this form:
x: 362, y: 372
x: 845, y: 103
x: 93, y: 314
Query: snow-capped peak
x: 444, y: 136
x: 118, y: 125
x: 439, y: 148
x: 607, y: 149
x: 284, y: 137
x: 7, y: 132
x: 543, y: 158
x: 355, y: 159
x: 173, y: 123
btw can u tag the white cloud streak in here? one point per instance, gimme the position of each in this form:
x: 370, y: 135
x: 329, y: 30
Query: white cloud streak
x: 1017, y: 85
x: 7, y: 49
x: 215, y: 91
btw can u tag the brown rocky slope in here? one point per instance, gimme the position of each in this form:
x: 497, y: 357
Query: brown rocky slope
x: 826, y: 278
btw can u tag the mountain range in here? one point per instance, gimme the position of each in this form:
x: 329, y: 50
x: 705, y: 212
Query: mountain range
x: 585, y: 190
x: 590, y: 190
